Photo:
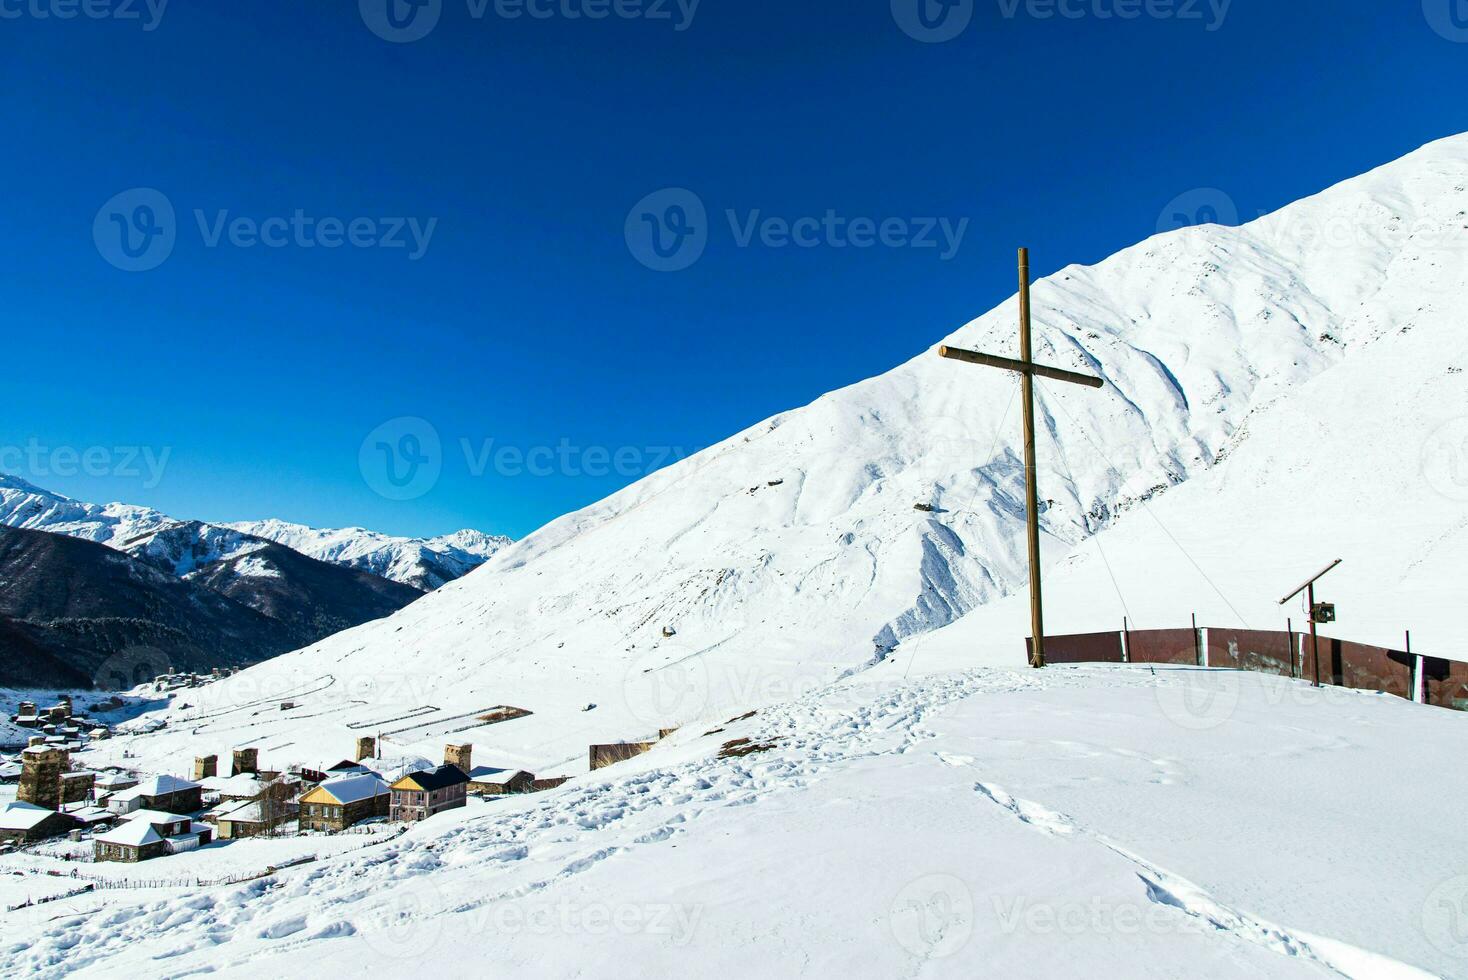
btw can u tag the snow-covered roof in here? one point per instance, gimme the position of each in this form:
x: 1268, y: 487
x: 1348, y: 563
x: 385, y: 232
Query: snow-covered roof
x: 155, y: 816
x: 352, y: 789
x: 106, y: 779
x: 134, y: 833
x: 243, y: 784
x: 157, y: 786
x: 245, y: 812
x: 23, y: 816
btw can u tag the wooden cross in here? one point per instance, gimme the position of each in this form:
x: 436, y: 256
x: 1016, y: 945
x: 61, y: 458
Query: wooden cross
x: 1027, y: 370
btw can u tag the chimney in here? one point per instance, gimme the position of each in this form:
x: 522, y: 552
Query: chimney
x: 246, y: 760
x: 366, y: 747
x: 35, y: 740
x: 459, y: 755
x: 206, y: 767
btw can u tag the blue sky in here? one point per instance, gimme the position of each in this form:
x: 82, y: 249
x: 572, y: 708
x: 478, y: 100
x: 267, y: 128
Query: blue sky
x: 297, y: 345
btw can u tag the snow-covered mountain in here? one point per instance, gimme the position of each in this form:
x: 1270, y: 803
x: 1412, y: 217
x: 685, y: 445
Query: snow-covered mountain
x: 300, y: 599
x: 424, y: 563
x: 183, y: 546
x: 1329, y: 334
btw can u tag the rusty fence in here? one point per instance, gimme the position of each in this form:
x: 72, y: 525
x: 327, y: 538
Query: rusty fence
x: 1331, y: 660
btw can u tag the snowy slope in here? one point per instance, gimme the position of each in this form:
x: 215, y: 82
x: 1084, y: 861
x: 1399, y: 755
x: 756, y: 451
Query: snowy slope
x: 792, y: 552
x: 424, y: 563
x: 988, y: 823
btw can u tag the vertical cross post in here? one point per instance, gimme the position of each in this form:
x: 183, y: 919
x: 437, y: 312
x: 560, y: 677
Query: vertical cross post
x: 1032, y: 488
x: 1028, y: 370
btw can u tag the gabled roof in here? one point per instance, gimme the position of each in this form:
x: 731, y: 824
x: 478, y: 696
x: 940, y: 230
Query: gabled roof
x: 497, y: 777
x: 157, y: 786
x: 432, y: 779
x: 347, y: 789
x: 134, y: 833
x: 23, y: 816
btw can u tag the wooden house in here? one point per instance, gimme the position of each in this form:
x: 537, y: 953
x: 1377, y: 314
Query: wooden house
x: 168, y: 794
x: 150, y: 834
x: 21, y: 823
x: 337, y: 804
x: 419, y: 795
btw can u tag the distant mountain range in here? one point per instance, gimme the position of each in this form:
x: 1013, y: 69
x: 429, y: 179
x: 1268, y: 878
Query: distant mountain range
x: 422, y: 563
x: 188, y: 595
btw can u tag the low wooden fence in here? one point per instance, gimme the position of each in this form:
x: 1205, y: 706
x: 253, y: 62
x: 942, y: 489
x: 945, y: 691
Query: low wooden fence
x: 1330, y: 660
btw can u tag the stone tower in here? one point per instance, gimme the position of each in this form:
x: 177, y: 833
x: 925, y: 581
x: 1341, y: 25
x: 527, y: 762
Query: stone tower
x: 459, y: 755
x: 206, y: 766
x: 40, y: 776
x: 366, y: 747
x: 246, y: 760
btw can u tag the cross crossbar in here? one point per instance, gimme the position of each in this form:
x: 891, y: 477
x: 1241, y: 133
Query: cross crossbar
x: 1020, y: 367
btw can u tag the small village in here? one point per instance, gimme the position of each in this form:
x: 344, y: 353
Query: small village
x: 73, y: 815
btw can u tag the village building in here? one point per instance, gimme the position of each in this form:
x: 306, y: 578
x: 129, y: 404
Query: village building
x: 150, y: 834
x: 232, y: 789
x: 108, y: 783
x: 252, y: 818
x: 167, y: 793
x: 337, y: 804
x: 420, y: 795
x: 21, y: 823
x: 486, y: 780
x: 40, y: 777
x: 10, y: 772
x: 77, y: 786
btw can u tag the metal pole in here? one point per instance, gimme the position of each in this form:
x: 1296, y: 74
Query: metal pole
x: 1032, y: 491
x: 1314, y: 634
